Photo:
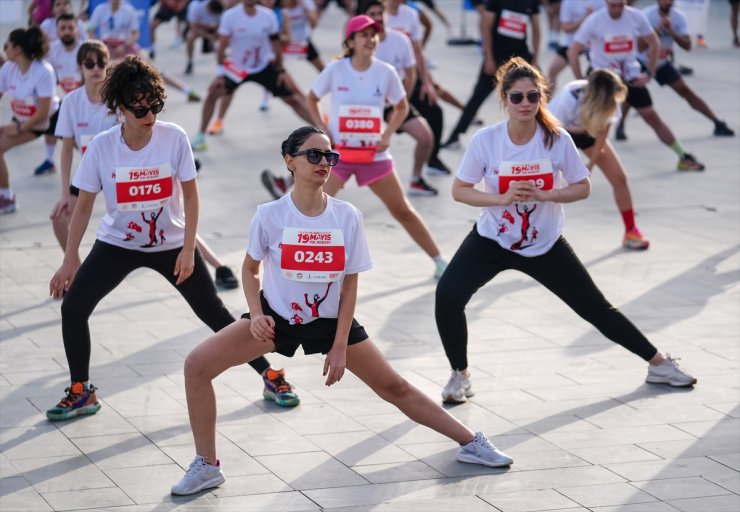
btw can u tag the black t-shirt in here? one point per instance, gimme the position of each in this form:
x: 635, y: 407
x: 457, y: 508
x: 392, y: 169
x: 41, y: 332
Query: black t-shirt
x: 510, y: 27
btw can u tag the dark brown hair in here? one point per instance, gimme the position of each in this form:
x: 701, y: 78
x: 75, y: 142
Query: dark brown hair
x: 516, y: 69
x: 132, y: 80
x: 92, y: 47
x: 32, y: 42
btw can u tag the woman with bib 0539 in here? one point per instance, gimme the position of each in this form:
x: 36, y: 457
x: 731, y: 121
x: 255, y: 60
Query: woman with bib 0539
x: 361, y: 86
x: 521, y: 162
x: 312, y: 248
x: 145, y: 170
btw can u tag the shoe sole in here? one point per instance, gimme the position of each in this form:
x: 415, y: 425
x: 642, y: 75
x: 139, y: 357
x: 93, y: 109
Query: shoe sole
x: 686, y: 169
x: 421, y: 193
x: 8, y: 209
x: 641, y: 246
x: 657, y: 380
x: 227, y: 286
x: 82, y: 411
x: 434, y: 171
x: 449, y: 399
x: 267, y: 182
x: 210, y: 484
x: 469, y: 459
x: 282, y: 403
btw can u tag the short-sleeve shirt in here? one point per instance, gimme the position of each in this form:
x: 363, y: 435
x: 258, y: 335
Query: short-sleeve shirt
x: 509, y: 36
x: 377, y: 85
x: 680, y: 26
x: 397, y: 51
x: 82, y: 120
x: 566, y: 106
x: 126, y: 176
x: 572, y: 11
x: 65, y: 65
x: 294, y: 300
x: 116, y: 26
x: 249, y: 36
x: 198, y: 13
x: 24, y: 90
x: 531, y: 228
x: 613, y: 43
x: 300, y: 27
x: 407, y: 21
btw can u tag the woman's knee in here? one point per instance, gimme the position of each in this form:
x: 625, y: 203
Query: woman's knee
x: 196, y: 366
x: 394, y: 389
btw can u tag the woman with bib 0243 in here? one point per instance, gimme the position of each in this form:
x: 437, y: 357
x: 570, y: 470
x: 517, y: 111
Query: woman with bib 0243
x: 521, y: 162
x: 312, y: 247
x: 361, y: 86
x: 146, y: 172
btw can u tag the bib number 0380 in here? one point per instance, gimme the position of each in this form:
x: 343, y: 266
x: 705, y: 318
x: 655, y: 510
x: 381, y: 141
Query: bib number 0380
x: 313, y: 257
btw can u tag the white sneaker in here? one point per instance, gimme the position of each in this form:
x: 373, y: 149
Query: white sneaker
x: 668, y: 372
x: 481, y: 451
x: 198, y: 477
x: 458, y: 388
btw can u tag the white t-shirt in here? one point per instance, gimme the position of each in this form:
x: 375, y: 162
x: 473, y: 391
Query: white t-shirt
x: 529, y: 229
x: 49, y: 26
x: 566, y: 106
x: 680, y: 26
x: 143, y: 198
x: 397, y: 51
x: 613, y: 43
x: 25, y: 90
x: 572, y: 11
x: 357, y: 101
x: 300, y: 27
x: 65, y: 65
x: 81, y: 119
x: 407, y: 21
x: 249, y: 37
x: 199, y: 13
x: 116, y: 26
x: 290, y: 246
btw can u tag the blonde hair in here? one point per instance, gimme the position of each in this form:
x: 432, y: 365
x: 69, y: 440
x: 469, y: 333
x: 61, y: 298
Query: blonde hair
x: 603, y: 93
x: 516, y: 69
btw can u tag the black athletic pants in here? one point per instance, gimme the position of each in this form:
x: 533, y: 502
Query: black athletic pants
x: 479, y: 259
x: 432, y: 113
x: 104, y: 269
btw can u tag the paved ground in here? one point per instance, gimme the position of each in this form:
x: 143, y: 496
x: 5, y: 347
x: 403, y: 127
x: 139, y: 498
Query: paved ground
x: 586, y: 433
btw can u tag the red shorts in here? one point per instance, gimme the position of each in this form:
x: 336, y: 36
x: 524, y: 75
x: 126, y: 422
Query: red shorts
x: 365, y: 174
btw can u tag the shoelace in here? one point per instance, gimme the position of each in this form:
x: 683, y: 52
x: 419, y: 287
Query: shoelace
x: 457, y: 378
x: 195, y: 466
x: 673, y: 361
x: 281, y: 386
x: 69, y: 400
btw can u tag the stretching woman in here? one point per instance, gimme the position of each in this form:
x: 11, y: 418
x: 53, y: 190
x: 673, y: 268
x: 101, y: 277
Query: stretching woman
x: 307, y: 241
x: 520, y: 162
x: 586, y: 108
x: 146, y: 172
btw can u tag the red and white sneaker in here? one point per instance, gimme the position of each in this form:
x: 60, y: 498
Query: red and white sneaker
x: 634, y: 240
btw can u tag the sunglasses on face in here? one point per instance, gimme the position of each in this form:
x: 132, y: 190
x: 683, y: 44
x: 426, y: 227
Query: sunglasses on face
x: 517, y: 97
x: 314, y: 156
x: 90, y: 64
x: 140, y: 112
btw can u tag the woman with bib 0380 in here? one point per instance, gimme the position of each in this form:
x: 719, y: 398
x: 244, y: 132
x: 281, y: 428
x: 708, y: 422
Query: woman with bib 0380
x: 521, y: 162
x: 312, y: 248
x: 360, y: 87
x: 145, y: 169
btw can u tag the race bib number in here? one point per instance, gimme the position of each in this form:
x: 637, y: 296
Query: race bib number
x: 665, y: 54
x: 143, y: 188
x: 84, y: 142
x: 618, y: 45
x: 234, y: 73
x: 512, y: 24
x: 23, y: 108
x: 538, y: 173
x: 312, y: 255
x: 359, y: 124
x: 69, y: 83
x: 296, y: 49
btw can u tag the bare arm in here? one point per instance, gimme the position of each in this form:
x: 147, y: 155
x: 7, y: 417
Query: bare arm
x: 535, y: 38
x: 398, y: 116
x: 65, y: 199
x: 574, y: 52
x: 336, y: 358
x: 186, y: 259
x: 409, y: 79
x: 312, y: 104
x: 262, y: 326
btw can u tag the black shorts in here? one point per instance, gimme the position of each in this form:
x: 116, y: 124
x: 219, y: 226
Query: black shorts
x: 166, y: 14
x: 267, y: 78
x: 582, y: 140
x: 313, y: 53
x: 74, y: 191
x: 315, y: 337
x: 563, y: 52
x: 638, y: 97
x: 666, y: 74
x: 52, y: 125
x: 413, y: 113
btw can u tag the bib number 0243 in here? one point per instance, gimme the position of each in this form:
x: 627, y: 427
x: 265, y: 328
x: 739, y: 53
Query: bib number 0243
x: 313, y: 256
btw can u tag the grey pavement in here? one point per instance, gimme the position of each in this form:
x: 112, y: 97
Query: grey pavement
x: 572, y: 408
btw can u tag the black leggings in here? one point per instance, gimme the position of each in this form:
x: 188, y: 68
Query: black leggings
x: 104, y: 269
x: 432, y: 113
x: 479, y: 259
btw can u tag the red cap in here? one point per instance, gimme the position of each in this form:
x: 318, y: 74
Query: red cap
x: 359, y: 23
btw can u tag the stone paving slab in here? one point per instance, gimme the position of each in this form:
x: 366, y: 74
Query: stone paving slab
x: 586, y: 432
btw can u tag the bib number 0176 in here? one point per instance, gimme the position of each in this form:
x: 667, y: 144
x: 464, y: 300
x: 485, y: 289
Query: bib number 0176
x: 144, y: 190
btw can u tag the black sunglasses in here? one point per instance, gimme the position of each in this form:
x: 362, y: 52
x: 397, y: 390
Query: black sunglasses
x: 90, y: 64
x: 314, y: 156
x: 517, y: 97
x: 140, y: 112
